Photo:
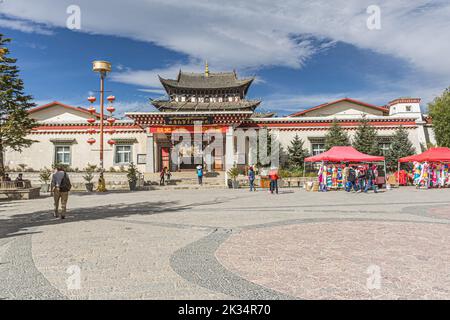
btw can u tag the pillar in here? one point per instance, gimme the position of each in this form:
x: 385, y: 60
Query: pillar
x: 229, y: 151
x: 422, y: 136
x: 150, y: 163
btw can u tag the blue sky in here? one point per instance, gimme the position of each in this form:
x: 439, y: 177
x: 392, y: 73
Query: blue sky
x: 299, y: 60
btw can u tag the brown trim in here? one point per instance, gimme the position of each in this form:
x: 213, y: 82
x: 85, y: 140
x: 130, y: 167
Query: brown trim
x: 300, y: 113
x: 54, y: 103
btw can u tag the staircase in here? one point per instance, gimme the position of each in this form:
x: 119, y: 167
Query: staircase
x: 186, y: 180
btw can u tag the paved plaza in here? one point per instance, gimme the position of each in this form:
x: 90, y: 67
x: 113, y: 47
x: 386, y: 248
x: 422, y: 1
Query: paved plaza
x: 229, y: 244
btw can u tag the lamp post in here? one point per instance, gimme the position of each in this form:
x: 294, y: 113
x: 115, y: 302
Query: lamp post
x: 102, y: 67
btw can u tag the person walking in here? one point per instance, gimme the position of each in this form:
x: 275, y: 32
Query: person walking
x: 162, y: 175
x: 345, y: 173
x: 351, y: 180
x: 273, y: 175
x: 168, y: 175
x: 60, y: 187
x: 361, y: 178
x: 371, y: 179
x: 251, y: 179
x: 200, y: 174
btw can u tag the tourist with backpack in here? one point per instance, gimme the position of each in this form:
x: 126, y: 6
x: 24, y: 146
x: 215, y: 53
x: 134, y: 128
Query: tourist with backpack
x: 60, y: 187
x: 351, y: 180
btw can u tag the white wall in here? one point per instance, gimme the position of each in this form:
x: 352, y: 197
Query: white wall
x: 42, y: 153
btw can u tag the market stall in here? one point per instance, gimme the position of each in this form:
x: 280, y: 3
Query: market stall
x: 343, y: 155
x: 431, y: 168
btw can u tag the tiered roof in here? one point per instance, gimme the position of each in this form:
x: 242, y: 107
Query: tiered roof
x: 243, y: 105
x: 220, y: 80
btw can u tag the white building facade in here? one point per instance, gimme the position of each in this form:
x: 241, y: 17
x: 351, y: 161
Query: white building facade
x: 145, y: 139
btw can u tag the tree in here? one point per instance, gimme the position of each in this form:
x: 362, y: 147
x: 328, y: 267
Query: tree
x: 400, y: 147
x: 439, y: 111
x: 296, y: 153
x: 366, y: 139
x: 336, y: 136
x: 15, y: 124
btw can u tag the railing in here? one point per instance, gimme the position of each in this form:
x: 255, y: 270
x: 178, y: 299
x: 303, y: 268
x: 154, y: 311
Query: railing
x: 14, y: 185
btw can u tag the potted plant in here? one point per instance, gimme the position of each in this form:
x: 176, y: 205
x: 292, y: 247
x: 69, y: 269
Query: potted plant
x: 89, y: 176
x: 233, y: 174
x: 44, y: 177
x: 132, y: 176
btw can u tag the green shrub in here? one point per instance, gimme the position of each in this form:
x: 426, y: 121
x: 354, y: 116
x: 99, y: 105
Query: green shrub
x: 233, y: 172
x: 44, y: 175
x: 132, y: 172
x: 90, y: 169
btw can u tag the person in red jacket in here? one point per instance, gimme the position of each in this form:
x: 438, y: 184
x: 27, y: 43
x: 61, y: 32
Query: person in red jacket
x: 273, y: 176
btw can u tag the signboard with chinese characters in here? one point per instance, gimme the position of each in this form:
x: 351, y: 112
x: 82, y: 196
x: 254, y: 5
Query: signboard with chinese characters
x: 187, y: 121
x: 170, y: 129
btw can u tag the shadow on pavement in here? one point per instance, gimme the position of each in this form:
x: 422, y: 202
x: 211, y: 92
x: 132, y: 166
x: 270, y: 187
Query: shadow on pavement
x: 20, y: 223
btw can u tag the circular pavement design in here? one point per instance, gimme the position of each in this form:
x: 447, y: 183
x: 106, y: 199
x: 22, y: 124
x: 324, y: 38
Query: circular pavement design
x: 344, y: 260
x: 439, y: 212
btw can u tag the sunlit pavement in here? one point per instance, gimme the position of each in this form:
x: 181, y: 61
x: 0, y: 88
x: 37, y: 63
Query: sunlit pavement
x: 227, y: 244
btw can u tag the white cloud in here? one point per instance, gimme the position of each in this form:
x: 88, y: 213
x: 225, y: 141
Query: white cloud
x: 251, y: 34
x: 24, y: 26
x: 156, y: 91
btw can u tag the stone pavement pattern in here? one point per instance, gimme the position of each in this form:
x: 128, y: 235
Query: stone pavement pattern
x: 219, y: 244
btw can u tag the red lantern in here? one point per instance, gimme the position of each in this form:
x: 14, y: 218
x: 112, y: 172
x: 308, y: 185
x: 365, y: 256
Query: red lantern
x: 91, y: 99
x: 111, y: 109
x: 91, y: 141
x: 91, y: 109
x: 91, y: 131
x: 91, y: 120
x: 112, y: 131
x: 111, y: 142
x: 111, y: 98
x: 111, y: 120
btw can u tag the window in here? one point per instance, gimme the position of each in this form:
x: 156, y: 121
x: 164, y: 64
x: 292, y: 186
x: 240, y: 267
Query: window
x: 62, y: 154
x: 317, y: 148
x: 384, y: 147
x: 408, y: 108
x: 123, y: 154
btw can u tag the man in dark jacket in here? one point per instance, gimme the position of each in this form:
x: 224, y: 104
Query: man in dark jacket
x: 351, y: 180
x: 371, y: 179
x: 60, y: 187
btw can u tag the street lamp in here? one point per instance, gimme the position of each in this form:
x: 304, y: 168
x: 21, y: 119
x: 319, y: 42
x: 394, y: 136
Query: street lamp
x: 102, y: 67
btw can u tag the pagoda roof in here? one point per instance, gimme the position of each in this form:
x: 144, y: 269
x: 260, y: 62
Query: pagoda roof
x: 170, y: 106
x: 219, y: 80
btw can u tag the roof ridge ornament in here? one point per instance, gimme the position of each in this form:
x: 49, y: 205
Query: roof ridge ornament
x: 206, y: 69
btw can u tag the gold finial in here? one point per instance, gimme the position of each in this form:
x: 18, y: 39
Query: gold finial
x: 206, y: 68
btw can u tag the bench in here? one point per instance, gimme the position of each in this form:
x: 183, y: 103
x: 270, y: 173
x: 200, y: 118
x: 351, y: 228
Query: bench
x: 19, y: 190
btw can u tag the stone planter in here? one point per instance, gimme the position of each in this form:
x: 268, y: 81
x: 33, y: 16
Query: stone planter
x: 89, y: 187
x: 235, y: 184
x: 45, y: 188
x: 132, y: 185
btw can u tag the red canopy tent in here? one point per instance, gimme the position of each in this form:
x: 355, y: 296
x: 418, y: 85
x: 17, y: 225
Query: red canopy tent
x: 431, y: 155
x: 344, y: 154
